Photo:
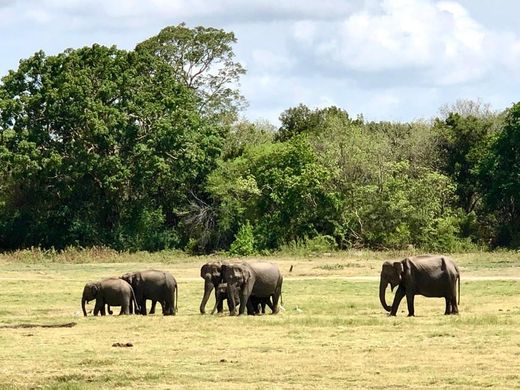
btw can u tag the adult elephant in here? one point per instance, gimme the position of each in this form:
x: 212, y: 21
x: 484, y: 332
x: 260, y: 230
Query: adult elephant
x: 431, y: 276
x: 110, y: 292
x: 158, y: 286
x: 211, y: 272
x: 259, y: 279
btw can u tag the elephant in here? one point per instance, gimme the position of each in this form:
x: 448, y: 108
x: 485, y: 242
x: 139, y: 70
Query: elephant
x: 110, y: 292
x: 258, y: 279
x: 257, y: 304
x: 221, y: 295
x: 158, y: 286
x: 211, y: 272
x: 427, y: 275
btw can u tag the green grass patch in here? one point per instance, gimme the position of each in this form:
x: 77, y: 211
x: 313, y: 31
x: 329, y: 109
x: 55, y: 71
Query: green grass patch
x: 333, y: 333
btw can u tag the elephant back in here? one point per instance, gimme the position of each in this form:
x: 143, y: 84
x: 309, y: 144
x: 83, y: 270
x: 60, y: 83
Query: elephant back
x: 268, y: 278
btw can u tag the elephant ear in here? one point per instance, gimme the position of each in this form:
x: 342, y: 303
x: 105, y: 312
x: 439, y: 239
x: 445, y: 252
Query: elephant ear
x: 399, y: 268
x: 204, y: 270
x: 247, y: 274
x: 138, y: 279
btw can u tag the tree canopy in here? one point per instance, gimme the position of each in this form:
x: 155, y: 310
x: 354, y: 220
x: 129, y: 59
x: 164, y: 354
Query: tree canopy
x: 203, y: 60
x: 143, y: 149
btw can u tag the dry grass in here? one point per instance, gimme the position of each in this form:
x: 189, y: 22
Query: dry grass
x: 333, y: 333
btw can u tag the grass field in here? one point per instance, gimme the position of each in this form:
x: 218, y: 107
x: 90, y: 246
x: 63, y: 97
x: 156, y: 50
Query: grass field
x: 333, y: 333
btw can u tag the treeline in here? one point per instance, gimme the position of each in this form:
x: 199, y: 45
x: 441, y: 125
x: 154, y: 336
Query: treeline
x: 143, y: 150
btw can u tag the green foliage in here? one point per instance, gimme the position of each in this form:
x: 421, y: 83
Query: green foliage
x: 303, y: 120
x: 409, y: 207
x: 462, y: 144
x: 244, y: 243
x: 279, y: 187
x: 309, y: 246
x: 500, y: 177
x: 202, y: 59
x: 99, y: 146
x: 141, y: 149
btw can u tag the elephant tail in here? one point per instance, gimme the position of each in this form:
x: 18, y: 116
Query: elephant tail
x: 136, y: 305
x: 458, y: 281
x: 176, y: 297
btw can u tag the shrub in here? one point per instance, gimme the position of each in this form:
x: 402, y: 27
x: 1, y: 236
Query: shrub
x: 244, y: 243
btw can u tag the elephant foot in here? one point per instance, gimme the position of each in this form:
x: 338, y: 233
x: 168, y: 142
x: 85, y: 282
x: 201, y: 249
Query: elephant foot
x: 411, y: 315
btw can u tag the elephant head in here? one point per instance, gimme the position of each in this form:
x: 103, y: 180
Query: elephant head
x: 239, y: 280
x: 135, y: 279
x: 212, y: 275
x: 90, y: 292
x: 391, y: 273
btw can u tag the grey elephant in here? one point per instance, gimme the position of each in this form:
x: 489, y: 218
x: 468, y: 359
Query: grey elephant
x: 221, y: 295
x: 158, y: 286
x: 110, y: 292
x: 258, y: 279
x: 427, y: 275
x: 259, y: 304
x: 211, y: 272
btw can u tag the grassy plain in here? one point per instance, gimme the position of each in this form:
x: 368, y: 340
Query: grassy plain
x: 333, y: 333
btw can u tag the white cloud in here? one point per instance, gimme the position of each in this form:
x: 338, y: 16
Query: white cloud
x: 269, y: 61
x: 438, y: 39
x: 387, y: 59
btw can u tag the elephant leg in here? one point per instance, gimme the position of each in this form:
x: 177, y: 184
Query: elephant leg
x: 125, y: 309
x: 448, y: 306
x: 152, y: 309
x: 244, y: 301
x: 99, y: 308
x: 220, y: 302
x: 143, y: 307
x: 269, y: 303
x: 399, y: 295
x: 250, y: 308
x: 410, y: 300
x: 454, y: 306
x: 168, y: 308
x: 276, y: 297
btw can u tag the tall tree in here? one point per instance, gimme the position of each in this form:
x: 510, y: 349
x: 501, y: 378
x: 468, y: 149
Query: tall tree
x: 203, y: 60
x: 462, y: 143
x: 99, y: 146
x: 500, y: 177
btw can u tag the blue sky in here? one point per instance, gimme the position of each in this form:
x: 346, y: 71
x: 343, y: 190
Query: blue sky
x: 395, y: 60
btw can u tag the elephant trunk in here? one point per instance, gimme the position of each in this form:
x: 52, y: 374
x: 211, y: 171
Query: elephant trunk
x: 83, y: 301
x: 208, y: 287
x: 231, y: 294
x: 382, y: 290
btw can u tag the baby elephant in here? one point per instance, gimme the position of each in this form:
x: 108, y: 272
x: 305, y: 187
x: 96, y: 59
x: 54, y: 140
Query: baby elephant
x: 255, y: 304
x: 221, y: 296
x: 110, y: 292
x: 431, y: 276
x: 259, y: 304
